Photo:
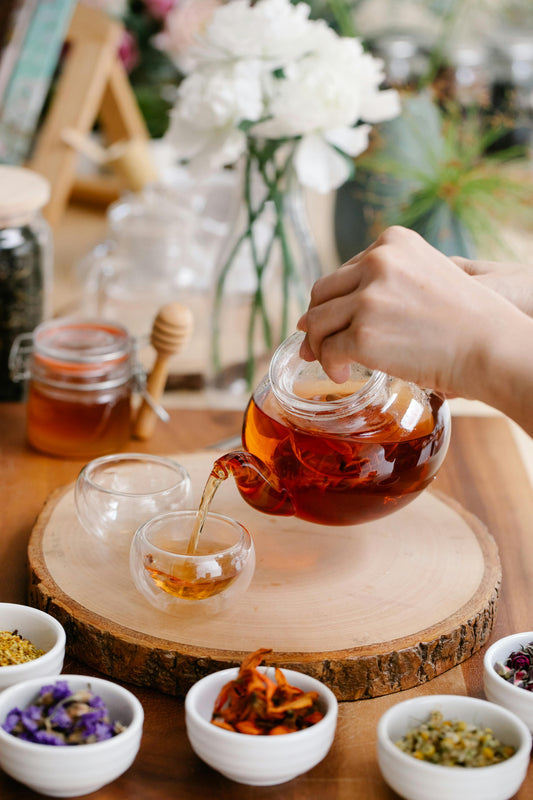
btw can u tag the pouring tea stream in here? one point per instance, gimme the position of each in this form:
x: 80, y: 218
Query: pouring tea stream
x: 333, y: 454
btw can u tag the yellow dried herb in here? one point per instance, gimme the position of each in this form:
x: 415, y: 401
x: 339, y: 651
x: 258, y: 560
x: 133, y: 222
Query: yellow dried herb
x: 454, y: 743
x: 16, y: 650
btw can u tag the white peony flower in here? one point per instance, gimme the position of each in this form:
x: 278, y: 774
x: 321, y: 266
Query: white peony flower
x: 273, y: 31
x: 183, y: 24
x: 325, y: 94
x: 318, y: 163
x: 269, y: 70
x: 325, y: 89
x: 212, y: 103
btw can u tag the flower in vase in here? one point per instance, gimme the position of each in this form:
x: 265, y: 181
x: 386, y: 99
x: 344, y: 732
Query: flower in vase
x: 268, y: 72
x: 290, y: 100
x: 213, y: 102
x: 183, y: 22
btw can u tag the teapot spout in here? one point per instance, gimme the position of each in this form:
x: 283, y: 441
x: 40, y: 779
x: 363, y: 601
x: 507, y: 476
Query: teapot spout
x: 256, y: 483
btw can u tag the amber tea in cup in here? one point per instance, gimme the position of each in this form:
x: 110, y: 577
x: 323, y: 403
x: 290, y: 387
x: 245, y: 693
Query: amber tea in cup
x: 171, y: 577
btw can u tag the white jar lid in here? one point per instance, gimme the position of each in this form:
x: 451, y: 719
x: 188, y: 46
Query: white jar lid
x: 22, y: 193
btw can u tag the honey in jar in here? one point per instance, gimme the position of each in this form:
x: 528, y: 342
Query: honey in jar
x: 80, y: 383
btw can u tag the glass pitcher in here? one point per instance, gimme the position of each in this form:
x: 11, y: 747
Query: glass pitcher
x: 336, y: 454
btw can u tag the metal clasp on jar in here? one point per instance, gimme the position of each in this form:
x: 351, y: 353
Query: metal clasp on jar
x: 19, y: 370
x: 19, y: 355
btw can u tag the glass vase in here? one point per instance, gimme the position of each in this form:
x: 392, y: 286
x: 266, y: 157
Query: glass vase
x: 264, y: 275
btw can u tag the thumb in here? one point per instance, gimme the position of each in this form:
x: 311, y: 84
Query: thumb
x: 469, y: 266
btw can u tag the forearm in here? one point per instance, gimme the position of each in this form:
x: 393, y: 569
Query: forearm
x: 505, y: 379
x: 513, y: 281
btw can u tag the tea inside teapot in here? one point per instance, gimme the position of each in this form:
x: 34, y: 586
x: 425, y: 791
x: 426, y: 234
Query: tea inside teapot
x: 336, y: 454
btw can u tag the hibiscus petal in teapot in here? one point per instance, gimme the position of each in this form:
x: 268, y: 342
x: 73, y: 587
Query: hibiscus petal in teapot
x: 336, y: 454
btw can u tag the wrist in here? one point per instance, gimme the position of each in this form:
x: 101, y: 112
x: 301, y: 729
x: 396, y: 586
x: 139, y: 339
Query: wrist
x: 505, y: 379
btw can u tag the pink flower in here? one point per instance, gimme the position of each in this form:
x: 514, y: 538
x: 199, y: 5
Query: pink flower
x: 519, y: 661
x: 128, y: 51
x: 159, y: 9
x: 182, y: 25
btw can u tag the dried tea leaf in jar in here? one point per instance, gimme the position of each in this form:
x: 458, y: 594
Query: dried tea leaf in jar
x: 25, y: 263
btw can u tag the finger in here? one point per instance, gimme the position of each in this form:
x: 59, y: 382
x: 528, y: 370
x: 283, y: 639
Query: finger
x: 328, y: 318
x: 473, y: 268
x: 306, y: 354
x: 339, y: 373
x: 301, y: 325
x: 336, y: 358
x: 341, y: 282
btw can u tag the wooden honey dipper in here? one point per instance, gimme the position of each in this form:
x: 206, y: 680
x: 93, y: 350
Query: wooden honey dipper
x: 171, y: 329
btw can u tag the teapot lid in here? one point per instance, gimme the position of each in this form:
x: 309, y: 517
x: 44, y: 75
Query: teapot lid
x: 305, y: 389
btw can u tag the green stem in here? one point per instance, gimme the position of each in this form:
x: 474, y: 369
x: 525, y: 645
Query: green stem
x: 341, y: 11
x: 259, y: 266
x: 288, y: 263
x: 258, y: 304
x: 273, y: 176
x: 277, y: 197
x: 219, y: 290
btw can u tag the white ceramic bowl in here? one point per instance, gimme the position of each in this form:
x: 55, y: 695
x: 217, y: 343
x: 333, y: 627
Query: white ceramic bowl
x: 258, y: 760
x: 72, y: 770
x: 40, y: 629
x: 419, y: 780
x: 497, y: 689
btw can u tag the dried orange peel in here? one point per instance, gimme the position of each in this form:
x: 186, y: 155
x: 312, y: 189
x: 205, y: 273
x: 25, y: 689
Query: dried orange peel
x: 255, y: 704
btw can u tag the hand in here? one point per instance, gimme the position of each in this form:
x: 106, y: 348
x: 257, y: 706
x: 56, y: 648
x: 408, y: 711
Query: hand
x: 513, y: 281
x: 403, y: 307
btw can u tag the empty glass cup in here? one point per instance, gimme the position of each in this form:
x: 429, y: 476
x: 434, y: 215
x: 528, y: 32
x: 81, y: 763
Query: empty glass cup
x: 115, y: 494
x: 210, y: 578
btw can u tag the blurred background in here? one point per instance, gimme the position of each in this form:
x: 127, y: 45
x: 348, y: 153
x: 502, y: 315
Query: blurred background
x: 131, y: 227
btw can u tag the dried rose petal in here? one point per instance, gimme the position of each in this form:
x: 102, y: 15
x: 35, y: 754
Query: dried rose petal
x: 519, y: 661
x: 518, y: 668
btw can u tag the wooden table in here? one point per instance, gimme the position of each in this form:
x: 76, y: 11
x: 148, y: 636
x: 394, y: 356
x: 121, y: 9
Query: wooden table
x: 483, y: 471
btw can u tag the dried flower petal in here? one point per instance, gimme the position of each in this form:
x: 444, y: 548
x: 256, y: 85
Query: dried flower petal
x: 255, y: 704
x: 60, y: 717
x: 518, y: 667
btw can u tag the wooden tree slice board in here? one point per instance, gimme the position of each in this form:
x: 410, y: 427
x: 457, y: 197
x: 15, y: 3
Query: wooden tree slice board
x: 369, y: 609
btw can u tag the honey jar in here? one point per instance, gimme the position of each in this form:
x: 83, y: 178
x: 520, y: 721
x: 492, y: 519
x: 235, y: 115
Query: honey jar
x: 80, y: 378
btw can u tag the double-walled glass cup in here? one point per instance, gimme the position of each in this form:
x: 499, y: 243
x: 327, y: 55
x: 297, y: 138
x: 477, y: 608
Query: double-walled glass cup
x: 210, y: 578
x: 115, y: 494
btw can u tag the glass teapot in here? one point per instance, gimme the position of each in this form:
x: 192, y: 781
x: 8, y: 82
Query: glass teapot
x: 336, y: 454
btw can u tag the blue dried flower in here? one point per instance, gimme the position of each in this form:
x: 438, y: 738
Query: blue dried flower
x: 60, y: 691
x: 47, y: 737
x: 97, y: 702
x: 12, y: 719
x: 89, y: 721
x: 31, y: 718
x: 48, y: 721
x: 102, y: 731
x: 60, y: 718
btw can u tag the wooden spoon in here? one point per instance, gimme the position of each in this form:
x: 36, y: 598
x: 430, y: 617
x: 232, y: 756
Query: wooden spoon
x: 171, y: 330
